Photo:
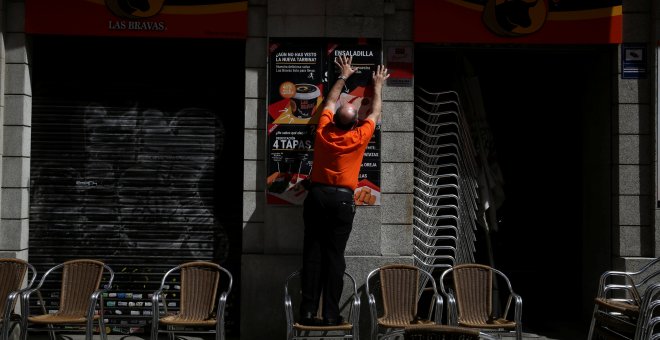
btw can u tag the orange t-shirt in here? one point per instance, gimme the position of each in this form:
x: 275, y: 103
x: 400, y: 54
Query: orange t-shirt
x: 338, y: 153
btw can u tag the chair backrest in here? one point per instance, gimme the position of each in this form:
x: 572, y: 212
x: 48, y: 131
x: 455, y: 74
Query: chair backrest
x: 199, y: 285
x: 400, y: 292
x: 80, y: 278
x: 12, y: 273
x: 473, y: 284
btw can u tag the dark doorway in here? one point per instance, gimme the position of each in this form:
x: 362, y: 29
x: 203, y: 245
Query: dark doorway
x: 137, y: 146
x: 548, y: 109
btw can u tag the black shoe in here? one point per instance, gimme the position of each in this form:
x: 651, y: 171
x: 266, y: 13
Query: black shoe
x: 333, y: 321
x: 308, y: 319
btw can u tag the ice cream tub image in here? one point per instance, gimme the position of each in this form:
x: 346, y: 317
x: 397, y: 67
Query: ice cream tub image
x: 304, y: 101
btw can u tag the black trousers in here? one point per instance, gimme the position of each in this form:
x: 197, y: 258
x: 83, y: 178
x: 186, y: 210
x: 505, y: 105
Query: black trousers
x: 328, y: 215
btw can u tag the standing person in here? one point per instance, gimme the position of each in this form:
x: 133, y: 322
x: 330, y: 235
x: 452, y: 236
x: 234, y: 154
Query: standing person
x: 328, y: 211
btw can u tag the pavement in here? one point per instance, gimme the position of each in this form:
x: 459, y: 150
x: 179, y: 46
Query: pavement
x: 526, y: 336
x: 565, y: 333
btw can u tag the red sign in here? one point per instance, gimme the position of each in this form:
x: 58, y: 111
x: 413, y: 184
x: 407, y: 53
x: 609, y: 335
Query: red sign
x: 518, y: 21
x: 145, y: 18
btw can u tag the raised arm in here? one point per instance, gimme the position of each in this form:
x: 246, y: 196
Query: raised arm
x: 379, y: 76
x: 345, y: 71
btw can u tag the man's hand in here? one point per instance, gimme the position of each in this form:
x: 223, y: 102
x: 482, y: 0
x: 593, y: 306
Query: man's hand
x: 344, y: 64
x: 379, y: 76
x: 345, y: 71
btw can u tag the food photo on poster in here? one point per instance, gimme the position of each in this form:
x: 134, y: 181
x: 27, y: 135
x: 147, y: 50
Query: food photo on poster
x: 290, y: 162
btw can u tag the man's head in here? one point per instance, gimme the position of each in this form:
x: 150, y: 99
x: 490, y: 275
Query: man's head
x: 346, y: 117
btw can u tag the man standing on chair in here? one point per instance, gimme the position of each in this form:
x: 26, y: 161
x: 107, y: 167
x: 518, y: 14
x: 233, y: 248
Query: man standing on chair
x: 328, y: 211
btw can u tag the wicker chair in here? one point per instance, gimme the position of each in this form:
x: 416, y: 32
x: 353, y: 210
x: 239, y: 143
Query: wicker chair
x: 348, y: 329
x: 469, y: 290
x: 12, y: 275
x: 621, y: 298
x: 80, y: 296
x: 401, y: 289
x: 201, y: 308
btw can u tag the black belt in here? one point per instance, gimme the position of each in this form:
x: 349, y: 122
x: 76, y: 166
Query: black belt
x: 335, y: 187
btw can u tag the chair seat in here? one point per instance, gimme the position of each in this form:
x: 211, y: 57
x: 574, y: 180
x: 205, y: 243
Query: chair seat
x: 177, y: 320
x: 493, y: 324
x: 399, y: 323
x: 622, y: 307
x: 59, y: 319
x: 344, y: 326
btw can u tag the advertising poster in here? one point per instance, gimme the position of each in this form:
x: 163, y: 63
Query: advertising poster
x: 295, y: 93
x: 301, y: 72
x: 358, y: 91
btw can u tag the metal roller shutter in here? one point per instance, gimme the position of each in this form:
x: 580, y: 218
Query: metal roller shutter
x: 135, y: 185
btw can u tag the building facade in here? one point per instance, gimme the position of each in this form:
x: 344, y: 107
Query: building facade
x: 579, y: 141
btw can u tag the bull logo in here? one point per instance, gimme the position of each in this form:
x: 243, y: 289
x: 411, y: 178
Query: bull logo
x: 134, y: 9
x: 511, y: 18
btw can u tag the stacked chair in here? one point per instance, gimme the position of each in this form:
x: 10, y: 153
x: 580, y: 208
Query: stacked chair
x: 445, y: 187
x: 625, y: 304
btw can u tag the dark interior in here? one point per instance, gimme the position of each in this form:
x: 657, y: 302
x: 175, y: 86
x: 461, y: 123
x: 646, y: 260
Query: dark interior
x: 548, y: 109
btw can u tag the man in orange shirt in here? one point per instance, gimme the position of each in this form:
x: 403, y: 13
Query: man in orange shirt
x: 329, y: 207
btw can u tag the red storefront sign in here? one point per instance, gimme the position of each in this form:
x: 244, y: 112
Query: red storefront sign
x: 145, y: 18
x: 518, y: 21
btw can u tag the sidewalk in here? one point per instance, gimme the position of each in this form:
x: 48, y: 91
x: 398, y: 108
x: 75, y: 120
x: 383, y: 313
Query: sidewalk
x: 526, y: 336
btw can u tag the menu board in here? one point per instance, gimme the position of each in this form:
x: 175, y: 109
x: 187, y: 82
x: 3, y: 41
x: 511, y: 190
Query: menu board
x: 300, y: 74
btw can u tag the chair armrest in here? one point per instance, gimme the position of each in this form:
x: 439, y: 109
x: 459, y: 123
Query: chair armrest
x: 155, y: 308
x: 354, y: 314
x: 10, y: 304
x: 609, y: 275
x: 156, y: 298
x: 452, y: 313
x: 288, y: 309
x: 438, y: 305
x: 373, y: 311
x: 17, y: 294
x: 222, y: 302
x: 288, y: 305
x: 518, y: 308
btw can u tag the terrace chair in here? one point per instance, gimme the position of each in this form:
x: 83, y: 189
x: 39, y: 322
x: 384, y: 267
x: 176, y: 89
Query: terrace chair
x: 620, y: 299
x: 394, y: 293
x: 80, y: 297
x: 645, y: 324
x: 349, y: 329
x: 203, y: 288
x: 470, y: 293
x: 12, y: 275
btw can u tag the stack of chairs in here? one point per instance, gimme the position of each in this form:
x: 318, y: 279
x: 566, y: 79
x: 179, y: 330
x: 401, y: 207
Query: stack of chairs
x: 445, y: 187
x: 627, y: 304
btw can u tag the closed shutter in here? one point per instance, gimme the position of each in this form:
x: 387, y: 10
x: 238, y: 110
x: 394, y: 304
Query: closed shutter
x: 133, y: 183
